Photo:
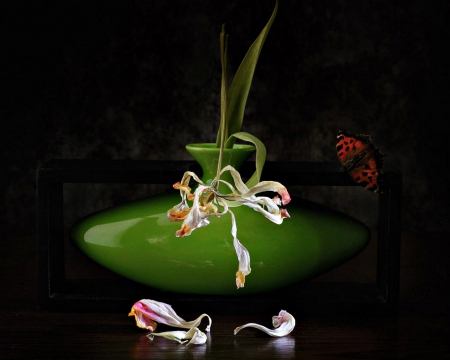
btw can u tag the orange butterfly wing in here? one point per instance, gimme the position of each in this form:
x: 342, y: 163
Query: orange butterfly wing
x: 360, y: 159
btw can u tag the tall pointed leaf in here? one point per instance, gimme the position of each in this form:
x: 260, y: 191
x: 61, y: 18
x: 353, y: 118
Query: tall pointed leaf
x: 240, y: 86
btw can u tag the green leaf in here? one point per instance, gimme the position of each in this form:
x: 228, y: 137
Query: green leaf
x: 260, y: 156
x: 240, y: 86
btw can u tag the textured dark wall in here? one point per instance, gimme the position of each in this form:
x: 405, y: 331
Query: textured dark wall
x: 140, y: 79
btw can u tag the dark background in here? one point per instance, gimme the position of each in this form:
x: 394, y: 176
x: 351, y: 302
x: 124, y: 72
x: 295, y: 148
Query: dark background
x: 141, y: 79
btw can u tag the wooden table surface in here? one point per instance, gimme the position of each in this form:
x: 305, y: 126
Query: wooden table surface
x: 419, y: 331
x: 28, y: 334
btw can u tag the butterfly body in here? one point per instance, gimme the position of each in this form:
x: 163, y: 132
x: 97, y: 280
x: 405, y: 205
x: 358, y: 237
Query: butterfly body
x: 361, y: 159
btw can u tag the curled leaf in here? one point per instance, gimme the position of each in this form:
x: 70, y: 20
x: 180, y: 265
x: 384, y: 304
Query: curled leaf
x: 283, y: 323
x: 260, y: 155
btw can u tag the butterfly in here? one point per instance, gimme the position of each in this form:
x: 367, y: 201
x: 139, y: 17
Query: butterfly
x: 361, y: 159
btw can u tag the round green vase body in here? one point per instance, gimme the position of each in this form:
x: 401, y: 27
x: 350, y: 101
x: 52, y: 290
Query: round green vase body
x: 137, y: 241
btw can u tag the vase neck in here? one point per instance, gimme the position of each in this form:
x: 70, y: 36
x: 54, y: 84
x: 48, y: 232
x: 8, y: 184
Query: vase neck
x: 207, y: 156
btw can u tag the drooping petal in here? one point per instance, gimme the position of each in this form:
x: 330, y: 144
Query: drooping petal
x: 242, y: 254
x: 207, y: 201
x: 147, y: 312
x: 187, y: 177
x: 195, y: 336
x: 178, y: 212
x: 182, y: 187
x: 284, y: 323
x: 285, y: 197
x: 284, y: 214
x: 196, y: 218
x: 274, y: 216
x: 240, y: 185
x: 269, y: 186
x: 276, y: 200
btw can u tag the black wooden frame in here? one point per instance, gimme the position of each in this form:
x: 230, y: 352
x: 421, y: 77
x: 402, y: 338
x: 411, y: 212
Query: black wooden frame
x: 56, y: 293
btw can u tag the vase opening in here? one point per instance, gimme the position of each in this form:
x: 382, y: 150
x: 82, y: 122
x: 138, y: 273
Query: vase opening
x: 207, y: 156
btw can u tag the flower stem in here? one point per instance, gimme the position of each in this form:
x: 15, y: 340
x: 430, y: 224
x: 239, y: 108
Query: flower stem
x: 223, y: 98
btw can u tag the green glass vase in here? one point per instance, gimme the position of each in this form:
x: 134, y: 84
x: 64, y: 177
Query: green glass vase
x: 137, y: 241
x: 207, y: 156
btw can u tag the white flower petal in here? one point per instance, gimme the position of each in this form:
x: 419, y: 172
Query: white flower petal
x: 274, y: 217
x: 195, y: 336
x: 187, y: 177
x: 242, y: 254
x: 205, y: 199
x: 164, y: 314
x: 269, y: 186
x: 196, y: 218
x: 178, y: 212
x: 284, y: 323
x: 240, y: 185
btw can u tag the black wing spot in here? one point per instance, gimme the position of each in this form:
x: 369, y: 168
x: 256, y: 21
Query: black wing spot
x: 364, y: 183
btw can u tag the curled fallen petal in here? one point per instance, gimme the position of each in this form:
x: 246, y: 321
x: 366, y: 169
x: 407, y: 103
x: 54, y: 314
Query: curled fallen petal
x: 143, y: 318
x: 149, y: 312
x: 195, y: 336
x: 284, y: 323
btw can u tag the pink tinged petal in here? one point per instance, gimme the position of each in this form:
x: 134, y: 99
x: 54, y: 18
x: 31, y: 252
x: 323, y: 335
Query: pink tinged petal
x: 142, y: 316
x: 284, y: 214
x: 150, y: 311
x: 281, y: 318
x: 285, y: 197
x: 283, y: 323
